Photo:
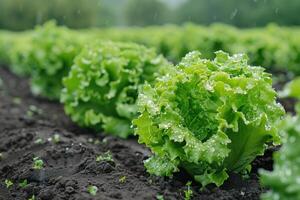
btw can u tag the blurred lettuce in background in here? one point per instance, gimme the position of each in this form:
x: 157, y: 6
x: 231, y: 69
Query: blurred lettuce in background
x: 25, y: 14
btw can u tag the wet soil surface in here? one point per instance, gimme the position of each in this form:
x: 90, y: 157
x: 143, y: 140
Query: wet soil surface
x: 31, y: 127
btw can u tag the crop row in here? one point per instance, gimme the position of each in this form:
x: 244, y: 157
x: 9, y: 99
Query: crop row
x: 210, y: 114
x: 273, y: 47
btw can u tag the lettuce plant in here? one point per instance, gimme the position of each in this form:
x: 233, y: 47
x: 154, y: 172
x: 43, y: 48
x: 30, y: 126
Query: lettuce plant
x: 292, y: 89
x: 210, y: 117
x: 19, y: 52
x: 101, y: 89
x: 284, y: 180
x: 6, y: 40
x: 50, y: 58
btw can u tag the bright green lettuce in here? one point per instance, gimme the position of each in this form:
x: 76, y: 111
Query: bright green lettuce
x: 209, y: 117
x: 6, y: 39
x: 292, y: 89
x: 50, y: 57
x: 102, y: 87
x: 19, y: 52
x: 284, y: 180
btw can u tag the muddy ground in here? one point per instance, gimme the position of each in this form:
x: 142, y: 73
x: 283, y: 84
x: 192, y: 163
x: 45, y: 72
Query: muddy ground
x: 27, y: 129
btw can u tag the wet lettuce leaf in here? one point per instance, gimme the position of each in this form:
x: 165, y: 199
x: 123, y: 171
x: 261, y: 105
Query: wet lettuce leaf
x: 284, y: 181
x: 210, y: 117
x: 101, y: 89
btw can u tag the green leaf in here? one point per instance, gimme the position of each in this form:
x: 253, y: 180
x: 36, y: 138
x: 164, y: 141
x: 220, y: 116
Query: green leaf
x: 161, y: 166
x: 102, y: 87
x: 210, y: 117
x: 292, y: 89
x: 217, y: 178
x: 48, y: 57
x: 283, y: 182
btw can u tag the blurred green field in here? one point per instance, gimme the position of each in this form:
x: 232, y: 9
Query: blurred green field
x: 274, y: 47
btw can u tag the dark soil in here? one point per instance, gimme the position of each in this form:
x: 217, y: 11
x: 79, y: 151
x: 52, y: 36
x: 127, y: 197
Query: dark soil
x: 27, y: 125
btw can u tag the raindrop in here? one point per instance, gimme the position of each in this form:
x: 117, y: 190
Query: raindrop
x: 276, y: 196
x: 292, y: 139
x: 85, y: 61
x: 288, y: 172
x: 233, y: 14
x: 268, y: 127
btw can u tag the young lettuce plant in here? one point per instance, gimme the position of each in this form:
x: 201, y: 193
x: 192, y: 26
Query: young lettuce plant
x: 19, y: 53
x: 101, y: 89
x: 50, y: 58
x: 284, y: 180
x: 208, y: 117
